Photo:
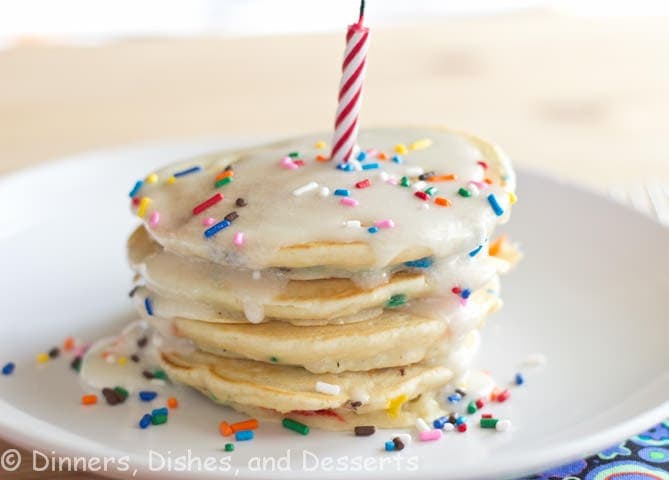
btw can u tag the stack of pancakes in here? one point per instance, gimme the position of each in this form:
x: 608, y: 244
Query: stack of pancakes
x: 283, y: 285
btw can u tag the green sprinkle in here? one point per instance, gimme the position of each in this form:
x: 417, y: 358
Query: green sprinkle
x: 294, y: 154
x: 160, y: 374
x: 471, y: 407
x: 158, y: 419
x: 295, y: 426
x: 121, y: 391
x: 463, y: 192
x: 229, y: 447
x: 397, y: 300
x: 273, y: 359
x: 489, y: 422
x: 431, y: 190
x: 404, y: 181
x: 223, y: 181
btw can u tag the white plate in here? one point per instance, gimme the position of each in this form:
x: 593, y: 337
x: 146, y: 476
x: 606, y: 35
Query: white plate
x: 590, y: 294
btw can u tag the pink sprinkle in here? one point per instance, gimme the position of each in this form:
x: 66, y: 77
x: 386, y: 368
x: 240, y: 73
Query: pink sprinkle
x: 372, y: 152
x: 385, y: 223
x: 208, y: 221
x: 287, y: 162
x: 238, y: 239
x: 392, y: 181
x: 430, y: 435
x: 463, y: 301
x: 349, y: 202
x: 479, y: 185
x: 154, y: 220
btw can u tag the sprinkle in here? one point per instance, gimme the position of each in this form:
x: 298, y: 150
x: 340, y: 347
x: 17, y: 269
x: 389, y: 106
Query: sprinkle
x: 136, y: 188
x: 89, y: 399
x: 222, y: 182
x: 471, y: 407
x: 287, y: 163
x: 512, y: 198
x: 208, y: 221
x: 160, y: 374
x: 147, y: 395
x: 419, y: 185
x: 421, y: 425
x: 480, y: 403
x: 68, y: 345
x: 442, y: 202
x: 399, y: 444
x: 370, y: 166
x: 422, y: 195
x: 159, y: 411
x: 172, y: 402
x: 395, y: 405
x: 503, y: 425
x: 349, y: 202
x: 431, y: 191
x: 112, y: 397
x: 295, y: 426
x: 225, y: 429
x: 414, y: 171
x: 425, y: 262
x: 154, y: 220
x: 362, y: 156
x: 494, y: 204
x: 430, y: 435
x: 454, y: 398
x: 462, y: 428
x: 396, y: 300
x: 76, y: 364
x: 8, y: 369
x: 389, y: 446
x: 231, y: 217
x: 388, y: 223
x: 463, y: 192
x: 488, y: 422
x: 373, y: 230
x: 225, y: 174
x: 503, y: 396
x: 382, y: 156
x: 322, y: 158
x: 483, y: 164
x: 158, y: 419
x: 143, y: 206
x: 320, y: 144
x: 305, y: 188
x: 486, y: 415
x: 145, y: 421
x: 488, y: 181
x: 404, y: 181
x: 238, y: 239
x: 324, y: 192
x: 519, y: 379
x: 170, y: 181
x: 251, y: 424
x: 342, y: 192
x: 153, y: 178
x: 461, y: 392
x: 401, y: 149
x: 42, y: 358
x: 442, y: 178
x: 420, y: 144
x: 240, y: 202
x: 122, y: 392
x: 352, y: 224
x: 384, y: 176
x: 327, y: 388
x: 440, y: 422
x: 122, y: 361
x: 244, y: 435
x: 363, y: 183
x: 397, y: 159
x: 364, y: 430
x: 473, y: 189
x: 474, y: 252
x: 466, y: 293
x: 54, y: 352
x: 346, y: 167
x: 494, y: 393
x: 294, y: 154
x: 404, y: 437
x: 207, y: 203
x: 213, y: 230
x: 148, y: 306
x: 229, y: 447
x: 188, y: 171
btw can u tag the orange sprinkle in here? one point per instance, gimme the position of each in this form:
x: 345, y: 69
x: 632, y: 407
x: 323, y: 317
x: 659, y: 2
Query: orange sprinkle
x: 172, y: 402
x: 443, y: 178
x: 322, y: 158
x: 69, y: 344
x: 495, y: 393
x: 245, y: 425
x: 225, y: 429
x: 496, y: 246
x: 382, y: 156
x: 89, y: 399
x: 488, y: 181
x: 443, y: 202
x: 226, y: 174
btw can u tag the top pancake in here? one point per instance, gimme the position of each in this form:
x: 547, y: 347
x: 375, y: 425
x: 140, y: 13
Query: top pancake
x: 284, y: 229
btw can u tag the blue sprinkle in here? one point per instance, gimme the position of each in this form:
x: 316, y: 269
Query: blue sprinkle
x: 519, y: 378
x: 361, y: 156
x: 454, y: 398
x: 8, y: 369
x: 136, y: 188
x: 244, y: 435
x: 494, y: 204
x: 370, y: 166
x: 466, y: 293
x: 474, y: 252
x: 188, y: 171
x: 145, y: 421
x: 342, y: 192
x: 160, y: 411
x: 147, y: 395
x: 214, y: 229
x: 440, y: 422
x: 397, y: 159
x: 425, y: 262
x: 460, y: 420
x: 373, y: 229
x: 390, y: 446
x: 347, y: 167
x: 148, y: 306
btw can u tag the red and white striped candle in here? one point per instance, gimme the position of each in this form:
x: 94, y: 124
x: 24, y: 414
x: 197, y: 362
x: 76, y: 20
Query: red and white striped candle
x: 350, y: 90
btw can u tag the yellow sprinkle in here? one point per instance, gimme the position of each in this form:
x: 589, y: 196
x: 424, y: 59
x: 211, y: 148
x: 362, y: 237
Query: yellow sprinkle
x: 42, y: 358
x: 171, y: 180
x: 395, y: 405
x: 401, y: 148
x: 143, y: 206
x: 153, y: 178
x: 320, y: 144
x: 420, y: 144
x: 512, y: 198
x: 122, y: 360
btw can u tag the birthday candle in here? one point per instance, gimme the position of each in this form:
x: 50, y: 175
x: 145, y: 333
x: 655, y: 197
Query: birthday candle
x: 350, y: 90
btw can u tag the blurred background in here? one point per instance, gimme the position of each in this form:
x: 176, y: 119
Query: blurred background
x: 576, y: 88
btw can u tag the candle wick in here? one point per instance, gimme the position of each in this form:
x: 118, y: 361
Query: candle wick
x: 362, y: 12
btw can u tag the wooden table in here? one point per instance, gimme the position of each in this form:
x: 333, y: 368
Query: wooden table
x: 583, y: 99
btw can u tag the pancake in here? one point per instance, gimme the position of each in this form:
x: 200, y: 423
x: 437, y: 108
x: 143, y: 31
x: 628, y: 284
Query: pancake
x: 286, y: 225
